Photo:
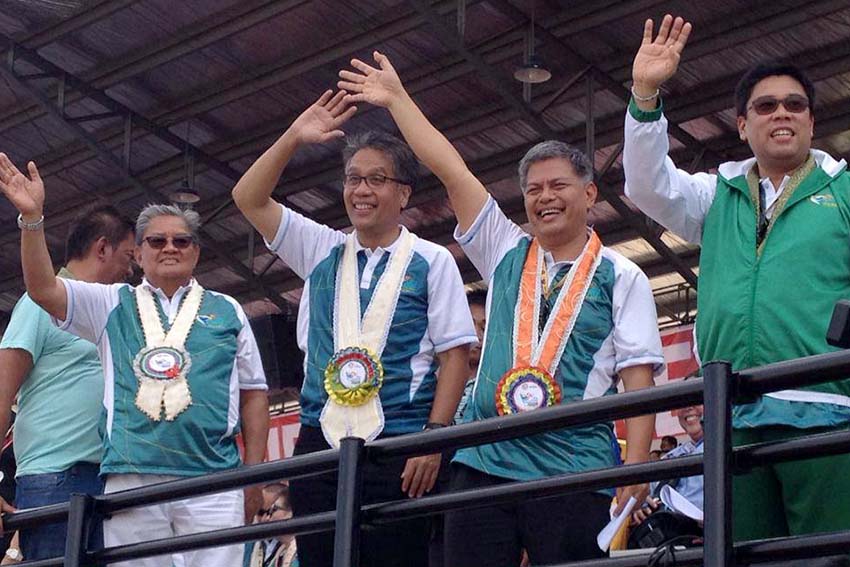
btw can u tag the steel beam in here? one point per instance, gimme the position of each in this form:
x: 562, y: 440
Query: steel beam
x: 103, y: 153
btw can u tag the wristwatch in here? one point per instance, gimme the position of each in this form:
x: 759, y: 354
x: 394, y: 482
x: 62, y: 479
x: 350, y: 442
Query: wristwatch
x: 14, y: 554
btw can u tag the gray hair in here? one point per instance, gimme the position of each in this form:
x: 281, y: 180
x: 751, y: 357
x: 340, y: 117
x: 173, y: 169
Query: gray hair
x: 151, y: 211
x: 551, y: 149
x: 405, y: 164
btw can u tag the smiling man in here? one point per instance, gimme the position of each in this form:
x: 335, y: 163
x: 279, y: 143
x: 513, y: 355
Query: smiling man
x: 376, y: 374
x: 540, y: 348
x: 774, y: 260
x: 181, y: 366
x: 691, y: 487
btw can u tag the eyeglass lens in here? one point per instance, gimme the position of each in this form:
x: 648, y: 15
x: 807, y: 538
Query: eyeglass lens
x: 373, y: 181
x: 180, y: 241
x: 768, y: 104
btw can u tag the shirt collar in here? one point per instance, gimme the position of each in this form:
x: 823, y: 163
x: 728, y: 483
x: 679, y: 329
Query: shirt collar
x: 157, y: 291
x: 766, y: 182
x: 380, y: 249
x: 551, y: 264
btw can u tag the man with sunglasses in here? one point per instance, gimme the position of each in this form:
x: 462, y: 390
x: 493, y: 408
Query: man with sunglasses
x: 374, y: 375
x: 766, y: 289
x: 182, y: 373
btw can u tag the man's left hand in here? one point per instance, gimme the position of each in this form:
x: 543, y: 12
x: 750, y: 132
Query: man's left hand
x: 638, y: 491
x: 420, y: 474
x: 253, y: 502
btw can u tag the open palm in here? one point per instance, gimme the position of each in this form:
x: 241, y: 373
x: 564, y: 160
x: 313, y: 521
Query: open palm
x: 26, y: 193
x: 321, y: 122
x: 657, y: 60
x: 379, y: 86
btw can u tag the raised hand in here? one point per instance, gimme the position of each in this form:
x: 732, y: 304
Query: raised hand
x: 657, y: 60
x: 380, y: 87
x: 320, y: 123
x: 26, y: 193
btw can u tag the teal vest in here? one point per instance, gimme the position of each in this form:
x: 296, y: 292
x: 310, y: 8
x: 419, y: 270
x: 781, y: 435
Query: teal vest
x: 755, y: 309
x: 557, y: 452
x: 199, y: 440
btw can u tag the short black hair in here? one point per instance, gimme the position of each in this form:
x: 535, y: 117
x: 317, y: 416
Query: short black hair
x: 763, y: 70
x: 93, y: 223
x: 670, y: 440
x: 405, y: 164
x: 477, y: 297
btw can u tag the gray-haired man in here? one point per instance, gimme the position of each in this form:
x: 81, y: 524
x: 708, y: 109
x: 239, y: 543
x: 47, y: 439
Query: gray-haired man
x: 180, y: 366
x: 576, y: 349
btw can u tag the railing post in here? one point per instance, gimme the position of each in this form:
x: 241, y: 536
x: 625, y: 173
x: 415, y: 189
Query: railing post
x: 718, y: 389
x: 80, y: 511
x: 349, y: 488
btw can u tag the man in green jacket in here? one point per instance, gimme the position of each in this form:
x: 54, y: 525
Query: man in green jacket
x: 775, y: 258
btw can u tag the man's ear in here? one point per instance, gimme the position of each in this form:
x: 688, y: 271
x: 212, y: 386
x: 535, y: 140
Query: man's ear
x: 742, y: 128
x: 591, y: 191
x: 406, y: 191
x: 100, y: 248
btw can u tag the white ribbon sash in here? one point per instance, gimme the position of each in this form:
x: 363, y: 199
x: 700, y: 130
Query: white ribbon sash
x: 160, y: 387
x: 369, y: 332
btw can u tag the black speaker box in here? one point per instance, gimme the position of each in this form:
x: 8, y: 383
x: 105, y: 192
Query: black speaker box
x: 282, y: 360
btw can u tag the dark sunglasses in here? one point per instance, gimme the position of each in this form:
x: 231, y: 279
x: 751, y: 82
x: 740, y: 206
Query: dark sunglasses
x: 765, y: 105
x: 181, y: 241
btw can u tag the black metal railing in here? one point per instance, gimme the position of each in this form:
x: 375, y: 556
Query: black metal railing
x: 720, y: 389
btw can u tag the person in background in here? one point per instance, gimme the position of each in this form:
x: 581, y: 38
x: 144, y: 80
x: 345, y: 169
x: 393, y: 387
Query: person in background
x: 668, y: 443
x: 477, y: 300
x: 690, y: 420
x: 57, y: 380
x: 279, y: 551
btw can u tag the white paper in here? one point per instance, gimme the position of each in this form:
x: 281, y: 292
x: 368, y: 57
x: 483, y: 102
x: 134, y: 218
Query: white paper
x: 678, y: 503
x: 603, y: 540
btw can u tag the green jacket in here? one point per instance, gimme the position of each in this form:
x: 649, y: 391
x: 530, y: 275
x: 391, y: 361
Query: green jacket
x: 761, y: 306
x: 754, y: 306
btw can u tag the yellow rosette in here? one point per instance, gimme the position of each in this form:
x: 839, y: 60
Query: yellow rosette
x: 353, y: 376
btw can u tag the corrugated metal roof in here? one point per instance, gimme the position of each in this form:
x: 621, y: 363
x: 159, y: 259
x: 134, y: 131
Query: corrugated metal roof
x: 229, y: 76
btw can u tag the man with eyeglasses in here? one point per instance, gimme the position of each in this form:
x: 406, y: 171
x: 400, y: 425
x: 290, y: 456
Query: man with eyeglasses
x: 381, y: 312
x: 279, y: 551
x: 182, y: 373
x: 567, y: 319
x: 774, y: 260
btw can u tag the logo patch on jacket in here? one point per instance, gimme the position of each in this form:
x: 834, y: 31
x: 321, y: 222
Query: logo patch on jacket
x: 824, y: 200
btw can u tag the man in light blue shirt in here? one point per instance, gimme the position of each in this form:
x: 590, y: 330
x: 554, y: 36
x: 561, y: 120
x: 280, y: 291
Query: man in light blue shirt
x: 691, y: 487
x: 58, y: 382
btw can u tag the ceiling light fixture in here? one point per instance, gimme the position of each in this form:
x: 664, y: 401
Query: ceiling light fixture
x: 533, y: 69
x: 186, y: 194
